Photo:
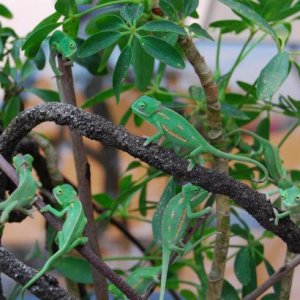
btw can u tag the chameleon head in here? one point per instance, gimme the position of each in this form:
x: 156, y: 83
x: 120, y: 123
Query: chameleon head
x: 64, y: 194
x: 291, y: 198
x: 23, y: 160
x: 67, y: 47
x: 145, y: 106
x: 194, y: 194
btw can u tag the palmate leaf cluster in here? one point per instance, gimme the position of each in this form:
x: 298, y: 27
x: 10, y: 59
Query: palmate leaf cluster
x: 146, y: 43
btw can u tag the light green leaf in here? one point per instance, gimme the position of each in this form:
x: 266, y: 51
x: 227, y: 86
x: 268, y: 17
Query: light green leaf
x: 33, y: 41
x: 97, y: 42
x: 242, y: 265
x: 143, y: 65
x: 163, y: 26
x: 5, y: 12
x: 12, y: 108
x: 188, y: 7
x: 251, y: 15
x: 162, y: 51
x: 273, y: 75
x: 102, y: 96
x: 46, y: 95
x: 121, y: 70
x: 131, y: 13
x: 200, y: 32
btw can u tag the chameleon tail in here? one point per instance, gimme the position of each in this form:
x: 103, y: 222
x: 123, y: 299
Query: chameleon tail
x: 45, y: 268
x: 164, y: 272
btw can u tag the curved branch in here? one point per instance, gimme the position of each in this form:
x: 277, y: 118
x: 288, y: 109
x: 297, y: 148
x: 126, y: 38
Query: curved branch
x: 97, y: 128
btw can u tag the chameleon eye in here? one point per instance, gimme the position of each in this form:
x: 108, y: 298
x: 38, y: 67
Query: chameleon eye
x: 282, y: 197
x: 142, y: 105
x: 298, y: 197
x: 72, y: 45
x: 59, y: 192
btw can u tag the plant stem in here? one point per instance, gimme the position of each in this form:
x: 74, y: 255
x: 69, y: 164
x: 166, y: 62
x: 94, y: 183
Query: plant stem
x: 288, y: 134
x: 67, y: 95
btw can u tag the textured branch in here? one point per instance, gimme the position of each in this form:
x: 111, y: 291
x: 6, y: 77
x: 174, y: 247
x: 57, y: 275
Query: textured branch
x: 46, y: 287
x: 97, y: 128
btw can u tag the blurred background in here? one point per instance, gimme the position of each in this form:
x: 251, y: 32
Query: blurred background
x: 27, y: 13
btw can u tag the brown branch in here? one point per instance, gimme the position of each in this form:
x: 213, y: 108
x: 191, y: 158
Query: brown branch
x: 82, y: 167
x: 283, y: 271
x: 97, y: 128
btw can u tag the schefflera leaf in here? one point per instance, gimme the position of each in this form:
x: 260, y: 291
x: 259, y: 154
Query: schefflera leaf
x: 121, y: 69
x: 273, y: 75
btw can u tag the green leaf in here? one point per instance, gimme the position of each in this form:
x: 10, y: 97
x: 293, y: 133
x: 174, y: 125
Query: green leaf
x: 103, y: 23
x: 188, y: 7
x: 229, y: 292
x: 163, y: 26
x: 237, y: 230
x: 97, y: 42
x: 271, y: 271
x: 168, y: 9
x: 197, y: 93
x: 272, y: 76
x: 75, y: 268
x: 53, y: 18
x: 251, y: 15
x: 121, y: 70
x: 34, y: 40
x: 102, y: 96
x: 232, y: 111
x: 162, y: 51
x: 27, y: 69
x: 66, y: 7
x: 242, y: 265
x: 11, y: 109
x: 134, y: 164
x: 46, y: 95
x: 71, y: 27
x: 188, y: 295
x: 263, y: 129
x: 227, y: 26
x: 142, y: 201
x: 4, y: 80
x: 40, y: 59
x: 131, y: 13
x: 126, y: 117
x: 5, y: 12
x: 104, y: 200
x: 200, y: 32
x: 143, y: 65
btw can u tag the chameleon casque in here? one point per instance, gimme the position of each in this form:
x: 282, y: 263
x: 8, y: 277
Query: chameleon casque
x: 71, y: 234
x: 181, y: 133
x: 24, y: 195
x: 291, y: 201
x: 60, y: 43
x: 176, y: 219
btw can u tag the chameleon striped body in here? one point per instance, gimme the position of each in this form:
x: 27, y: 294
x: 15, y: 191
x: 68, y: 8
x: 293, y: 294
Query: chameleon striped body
x: 181, y: 133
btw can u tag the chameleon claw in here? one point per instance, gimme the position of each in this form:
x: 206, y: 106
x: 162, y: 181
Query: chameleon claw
x: 191, y: 165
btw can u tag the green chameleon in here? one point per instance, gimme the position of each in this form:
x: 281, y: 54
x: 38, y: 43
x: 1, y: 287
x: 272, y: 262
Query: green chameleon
x: 140, y: 279
x: 271, y: 157
x: 181, y: 133
x: 291, y: 200
x: 176, y: 219
x: 24, y: 194
x: 60, y: 43
x: 71, y: 234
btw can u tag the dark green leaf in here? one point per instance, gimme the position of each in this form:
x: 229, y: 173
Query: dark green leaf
x: 269, y: 297
x: 272, y: 76
x: 233, y: 112
x: 295, y: 174
x: 40, y: 59
x: 242, y: 266
x: 199, y: 31
x: 226, y: 26
x: 188, y: 295
x: 143, y: 65
x: 97, y: 42
x: 142, y: 201
x: 27, y: 69
x: 163, y: 26
x: 75, y: 268
x: 197, y: 93
x: 11, y: 109
x: 271, y: 271
x: 134, y: 164
x: 168, y: 9
x: 102, y: 96
x: 188, y: 7
x: 105, y: 57
x: 162, y: 51
x: 237, y: 230
x: 126, y: 116
x: 229, y: 292
x: 34, y: 40
x: 46, y: 95
x: 263, y: 128
x: 251, y: 15
x: 71, y: 27
x: 131, y: 13
x: 4, y: 80
x: 5, y: 12
x: 104, y: 200
x: 121, y: 70
x: 66, y: 7
x: 103, y: 23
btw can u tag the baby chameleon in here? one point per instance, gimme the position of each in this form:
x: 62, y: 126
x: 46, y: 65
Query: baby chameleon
x: 181, y: 133
x: 291, y: 200
x: 24, y: 195
x: 71, y: 234
x: 61, y: 43
x: 176, y: 219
